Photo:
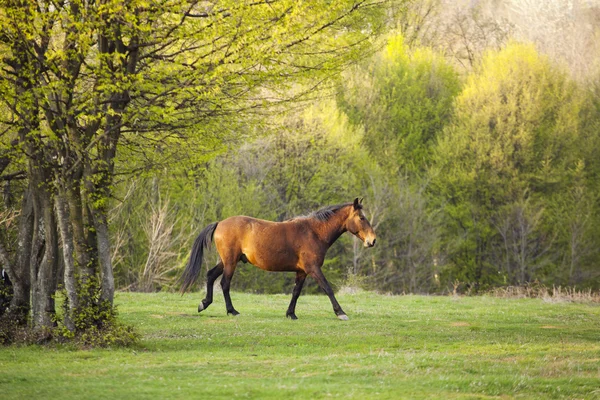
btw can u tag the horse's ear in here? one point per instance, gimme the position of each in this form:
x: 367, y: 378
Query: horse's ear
x: 360, y: 201
x: 356, y: 204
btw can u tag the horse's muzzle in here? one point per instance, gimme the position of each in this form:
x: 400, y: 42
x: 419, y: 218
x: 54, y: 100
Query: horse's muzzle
x: 370, y: 243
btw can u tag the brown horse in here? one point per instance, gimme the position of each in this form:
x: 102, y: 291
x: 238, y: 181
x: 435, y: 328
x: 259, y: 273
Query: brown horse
x: 297, y: 245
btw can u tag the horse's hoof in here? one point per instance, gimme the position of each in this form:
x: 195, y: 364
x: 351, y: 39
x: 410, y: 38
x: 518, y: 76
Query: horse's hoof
x: 234, y: 313
x: 343, y: 317
x: 291, y: 316
x: 201, y: 307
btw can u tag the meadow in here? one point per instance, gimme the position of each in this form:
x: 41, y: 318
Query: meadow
x: 392, y: 347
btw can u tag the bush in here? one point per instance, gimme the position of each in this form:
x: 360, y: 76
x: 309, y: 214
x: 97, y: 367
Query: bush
x: 95, y: 323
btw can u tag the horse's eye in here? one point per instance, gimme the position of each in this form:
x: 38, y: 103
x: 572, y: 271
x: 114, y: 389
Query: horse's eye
x: 362, y: 218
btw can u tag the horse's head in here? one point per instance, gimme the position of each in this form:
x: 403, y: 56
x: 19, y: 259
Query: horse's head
x: 358, y: 225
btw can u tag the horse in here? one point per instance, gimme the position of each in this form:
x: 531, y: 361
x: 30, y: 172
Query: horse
x: 297, y: 245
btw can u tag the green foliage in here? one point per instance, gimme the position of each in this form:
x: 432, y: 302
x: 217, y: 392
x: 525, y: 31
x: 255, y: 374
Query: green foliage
x: 403, y: 98
x: 509, y: 155
x: 232, y: 65
x: 95, y: 322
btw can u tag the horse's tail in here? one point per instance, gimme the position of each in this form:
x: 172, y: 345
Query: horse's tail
x: 192, y: 270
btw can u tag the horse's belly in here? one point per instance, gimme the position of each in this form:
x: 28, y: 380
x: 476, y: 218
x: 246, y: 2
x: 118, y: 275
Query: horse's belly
x: 273, y: 260
x: 268, y: 247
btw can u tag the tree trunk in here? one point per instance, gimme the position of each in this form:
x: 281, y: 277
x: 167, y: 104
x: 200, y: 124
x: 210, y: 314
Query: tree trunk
x: 76, y: 218
x: 20, y: 278
x: 108, y: 283
x: 44, y: 260
x: 66, y: 234
x: 18, y: 271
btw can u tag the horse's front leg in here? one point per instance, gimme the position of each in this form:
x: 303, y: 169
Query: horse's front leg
x: 317, y: 274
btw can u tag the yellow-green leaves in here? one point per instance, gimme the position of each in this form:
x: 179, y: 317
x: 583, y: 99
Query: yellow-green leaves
x: 404, y: 98
x: 506, y: 160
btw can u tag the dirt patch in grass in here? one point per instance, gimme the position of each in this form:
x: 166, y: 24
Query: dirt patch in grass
x: 460, y: 324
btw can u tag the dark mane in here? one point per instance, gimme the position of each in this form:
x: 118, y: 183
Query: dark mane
x: 324, y: 214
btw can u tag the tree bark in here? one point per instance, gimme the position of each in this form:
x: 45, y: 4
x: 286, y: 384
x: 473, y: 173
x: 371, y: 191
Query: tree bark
x: 108, y: 283
x: 19, y: 276
x: 70, y: 276
x: 76, y: 217
x: 44, y: 260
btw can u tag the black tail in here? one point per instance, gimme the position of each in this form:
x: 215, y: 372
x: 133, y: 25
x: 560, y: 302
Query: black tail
x: 192, y: 270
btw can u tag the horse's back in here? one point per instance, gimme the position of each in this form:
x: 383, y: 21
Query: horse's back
x: 241, y: 225
x: 266, y: 244
x: 251, y: 231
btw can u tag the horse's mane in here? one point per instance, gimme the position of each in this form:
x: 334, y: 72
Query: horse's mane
x: 325, y: 213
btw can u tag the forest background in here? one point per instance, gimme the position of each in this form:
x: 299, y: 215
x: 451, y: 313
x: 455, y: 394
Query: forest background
x: 470, y: 128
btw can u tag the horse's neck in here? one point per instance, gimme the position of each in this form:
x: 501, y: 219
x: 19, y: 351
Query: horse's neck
x: 329, y: 231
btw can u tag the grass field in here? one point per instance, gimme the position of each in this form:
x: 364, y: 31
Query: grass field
x: 392, y: 347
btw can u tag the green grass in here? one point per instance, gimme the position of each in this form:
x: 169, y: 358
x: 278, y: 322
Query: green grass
x: 392, y: 347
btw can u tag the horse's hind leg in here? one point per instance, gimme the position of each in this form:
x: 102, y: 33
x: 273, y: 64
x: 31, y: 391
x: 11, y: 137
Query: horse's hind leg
x: 211, y: 277
x: 225, y: 284
x: 300, y: 277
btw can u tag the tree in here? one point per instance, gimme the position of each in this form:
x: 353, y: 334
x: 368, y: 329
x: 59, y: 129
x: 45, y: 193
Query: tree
x: 509, y: 152
x: 403, y: 98
x: 86, y: 80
